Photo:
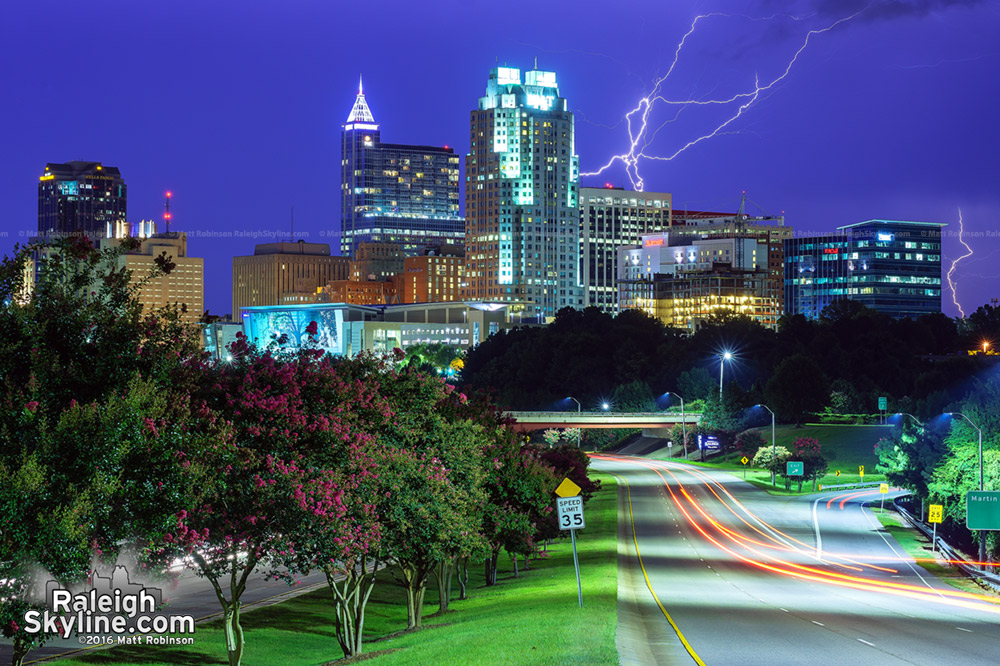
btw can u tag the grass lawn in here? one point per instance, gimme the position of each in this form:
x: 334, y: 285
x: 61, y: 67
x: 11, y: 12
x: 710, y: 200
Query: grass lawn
x: 533, y: 619
x: 846, y: 447
x: 918, y: 546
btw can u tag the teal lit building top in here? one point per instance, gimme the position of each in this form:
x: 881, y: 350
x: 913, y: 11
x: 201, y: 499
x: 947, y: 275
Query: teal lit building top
x: 522, y: 187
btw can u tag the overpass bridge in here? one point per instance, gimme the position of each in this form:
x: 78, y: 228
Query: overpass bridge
x: 653, y: 424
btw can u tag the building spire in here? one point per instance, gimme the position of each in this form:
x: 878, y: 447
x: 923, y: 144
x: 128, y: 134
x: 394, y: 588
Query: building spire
x: 360, y: 113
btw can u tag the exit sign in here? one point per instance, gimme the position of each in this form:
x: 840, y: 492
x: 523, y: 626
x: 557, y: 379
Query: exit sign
x: 982, y: 510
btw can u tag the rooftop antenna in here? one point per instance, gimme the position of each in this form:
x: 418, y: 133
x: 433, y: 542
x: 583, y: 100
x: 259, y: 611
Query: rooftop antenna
x: 536, y: 62
x: 360, y: 87
x: 166, y: 210
x: 292, y: 239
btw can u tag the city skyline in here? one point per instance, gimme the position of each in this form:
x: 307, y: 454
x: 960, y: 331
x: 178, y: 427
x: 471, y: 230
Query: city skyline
x: 239, y: 113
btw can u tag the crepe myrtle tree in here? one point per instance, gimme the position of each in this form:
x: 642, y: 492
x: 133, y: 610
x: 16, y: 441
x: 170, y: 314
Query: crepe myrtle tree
x: 252, y: 492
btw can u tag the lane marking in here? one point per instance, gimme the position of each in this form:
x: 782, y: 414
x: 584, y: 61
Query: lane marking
x: 866, y: 642
x: 818, y: 623
x: 964, y: 629
x: 819, y: 537
x: 649, y: 585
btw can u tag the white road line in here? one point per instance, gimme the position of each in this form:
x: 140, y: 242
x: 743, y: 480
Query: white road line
x: 784, y: 610
x: 866, y: 642
x: 818, y: 623
x: 819, y: 538
x: 963, y: 629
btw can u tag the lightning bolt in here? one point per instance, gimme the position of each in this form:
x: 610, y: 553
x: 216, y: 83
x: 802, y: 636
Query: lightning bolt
x: 954, y: 263
x: 637, y: 120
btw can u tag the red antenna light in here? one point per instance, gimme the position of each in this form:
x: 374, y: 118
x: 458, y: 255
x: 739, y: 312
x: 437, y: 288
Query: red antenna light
x: 166, y: 210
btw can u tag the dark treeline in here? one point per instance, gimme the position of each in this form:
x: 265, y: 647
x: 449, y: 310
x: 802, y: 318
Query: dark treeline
x: 920, y: 365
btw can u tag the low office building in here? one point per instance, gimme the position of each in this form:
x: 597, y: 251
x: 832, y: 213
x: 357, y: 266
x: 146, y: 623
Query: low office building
x: 433, y: 277
x: 890, y: 266
x: 344, y: 329
x: 276, y: 269
x: 685, y: 282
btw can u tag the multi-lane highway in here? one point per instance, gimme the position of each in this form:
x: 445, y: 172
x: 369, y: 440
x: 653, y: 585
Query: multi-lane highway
x: 719, y: 572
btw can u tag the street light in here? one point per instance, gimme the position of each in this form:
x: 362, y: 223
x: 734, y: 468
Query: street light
x: 982, y: 541
x: 723, y: 357
x: 915, y: 419
x: 578, y: 410
x: 773, y: 479
x: 605, y: 406
x: 684, y: 437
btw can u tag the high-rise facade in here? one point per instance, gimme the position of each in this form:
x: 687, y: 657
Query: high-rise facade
x: 278, y: 269
x: 81, y: 197
x: 395, y: 193
x: 522, y: 240
x: 891, y: 266
x: 611, y: 217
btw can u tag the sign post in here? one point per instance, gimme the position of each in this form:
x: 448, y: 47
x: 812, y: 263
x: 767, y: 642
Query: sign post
x: 569, y: 511
x: 861, y: 471
x: 744, y: 460
x: 934, y: 517
x: 883, y: 405
x: 883, y: 489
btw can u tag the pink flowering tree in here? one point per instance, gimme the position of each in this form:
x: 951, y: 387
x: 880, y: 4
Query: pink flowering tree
x: 253, y: 493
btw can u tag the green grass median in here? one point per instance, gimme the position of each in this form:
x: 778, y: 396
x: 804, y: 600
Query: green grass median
x: 532, y: 619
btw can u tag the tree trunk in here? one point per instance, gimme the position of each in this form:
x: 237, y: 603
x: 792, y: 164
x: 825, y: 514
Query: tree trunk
x: 21, y: 647
x: 444, y: 572
x: 491, y: 566
x: 234, y: 633
x: 350, y: 597
x: 513, y: 557
x: 415, y: 582
x: 463, y: 577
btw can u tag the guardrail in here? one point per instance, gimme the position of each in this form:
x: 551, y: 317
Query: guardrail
x: 860, y: 484
x: 950, y: 553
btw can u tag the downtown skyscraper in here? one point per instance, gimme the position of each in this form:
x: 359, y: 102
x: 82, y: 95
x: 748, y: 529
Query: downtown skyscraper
x: 395, y: 193
x: 522, y: 240
x: 81, y: 197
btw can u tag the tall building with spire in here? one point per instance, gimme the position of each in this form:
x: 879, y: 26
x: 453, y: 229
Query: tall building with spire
x: 395, y: 193
x: 521, y: 188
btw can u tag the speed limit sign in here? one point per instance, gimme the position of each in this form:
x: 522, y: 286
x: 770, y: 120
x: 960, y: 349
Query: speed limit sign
x: 569, y: 511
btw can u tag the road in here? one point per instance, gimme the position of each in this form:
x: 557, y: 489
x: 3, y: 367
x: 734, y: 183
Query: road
x: 737, y: 576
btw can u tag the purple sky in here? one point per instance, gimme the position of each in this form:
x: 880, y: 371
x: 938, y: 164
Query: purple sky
x: 236, y: 106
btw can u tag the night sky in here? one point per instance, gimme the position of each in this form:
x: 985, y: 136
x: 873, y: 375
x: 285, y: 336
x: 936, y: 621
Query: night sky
x: 236, y: 107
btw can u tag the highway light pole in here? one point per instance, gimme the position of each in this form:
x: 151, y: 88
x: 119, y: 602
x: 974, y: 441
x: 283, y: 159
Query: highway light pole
x: 773, y: 479
x: 684, y: 437
x: 579, y: 408
x: 982, y: 540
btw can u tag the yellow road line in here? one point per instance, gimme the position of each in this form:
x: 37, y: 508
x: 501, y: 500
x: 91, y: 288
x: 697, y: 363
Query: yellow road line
x: 684, y: 641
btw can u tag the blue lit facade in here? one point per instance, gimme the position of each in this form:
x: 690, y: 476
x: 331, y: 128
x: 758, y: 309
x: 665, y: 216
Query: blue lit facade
x: 395, y: 193
x: 82, y: 197
x: 521, y: 195
x: 890, y: 266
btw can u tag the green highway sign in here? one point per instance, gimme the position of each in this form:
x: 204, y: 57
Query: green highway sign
x: 982, y: 510
x: 883, y: 403
x: 794, y: 468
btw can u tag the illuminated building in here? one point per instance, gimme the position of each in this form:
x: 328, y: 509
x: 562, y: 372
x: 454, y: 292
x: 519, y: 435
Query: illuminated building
x: 85, y: 197
x: 183, y: 287
x: 393, y: 192
x: 611, y: 217
x: 685, y: 281
x: 521, y: 178
x: 433, y: 277
x: 359, y: 292
x: 344, y: 329
x: 217, y: 336
x: 277, y: 269
x: 890, y: 266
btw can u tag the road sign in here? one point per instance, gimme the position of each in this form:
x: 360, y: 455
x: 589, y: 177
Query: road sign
x: 982, y: 510
x: 837, y: 473
x: 935, y: 513
x: 744, y: 460
x: 708, y: 442
x: 883, y: 488
x: 570, y: 513
x: 794, y: 468
x: 567, y: 489
x: 883, y: 403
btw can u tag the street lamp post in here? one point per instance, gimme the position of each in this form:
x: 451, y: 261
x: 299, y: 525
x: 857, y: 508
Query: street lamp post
x: 684, y: 437
x: 579, y: 409
x: 982, y: 541
x: 915, y: 419
x: 723, y: 357
x: 773, y: 479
